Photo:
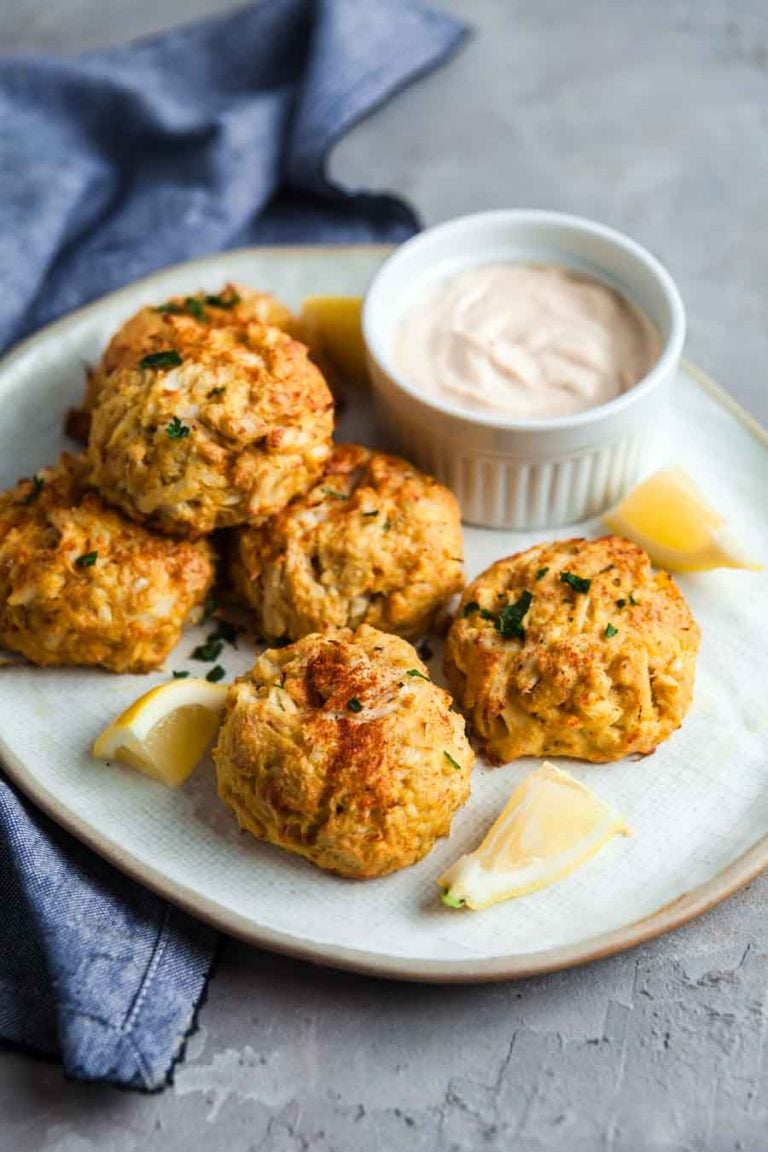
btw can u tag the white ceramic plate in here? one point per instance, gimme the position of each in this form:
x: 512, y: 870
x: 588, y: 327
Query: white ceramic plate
x: 699, y: 806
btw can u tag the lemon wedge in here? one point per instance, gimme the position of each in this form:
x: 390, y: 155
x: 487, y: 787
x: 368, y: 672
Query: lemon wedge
x: 549, y: 827
x: 331, y: 327
x: 667, y: 516
x: 165, y: 732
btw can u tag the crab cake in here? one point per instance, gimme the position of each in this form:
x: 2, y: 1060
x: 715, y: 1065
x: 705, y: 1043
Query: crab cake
x: 576, y: 648
x: 81, y: 584
x: 211, y: 433
x: 180, y: 322
x: 340, y: 749
x: 375, y: 541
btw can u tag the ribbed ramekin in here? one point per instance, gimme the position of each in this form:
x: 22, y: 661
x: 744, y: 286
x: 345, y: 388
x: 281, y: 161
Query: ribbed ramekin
x: 522, y: 474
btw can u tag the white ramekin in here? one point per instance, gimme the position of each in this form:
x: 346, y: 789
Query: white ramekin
x: 524, y: 473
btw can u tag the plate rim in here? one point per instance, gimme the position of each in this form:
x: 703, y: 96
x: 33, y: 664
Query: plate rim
x: 513, y: 966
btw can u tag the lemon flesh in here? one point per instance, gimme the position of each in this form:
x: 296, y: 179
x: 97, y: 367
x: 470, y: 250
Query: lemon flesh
x: 667, y: 516
x: 165, y: 733
x: 549, y: 827
x: 331, y: 326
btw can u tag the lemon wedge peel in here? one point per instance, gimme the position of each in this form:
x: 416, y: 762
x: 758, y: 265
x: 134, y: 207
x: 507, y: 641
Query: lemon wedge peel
x: 165, y: 733
x: 550, y: 826
x: 667, y: 515
x: 332, y: 327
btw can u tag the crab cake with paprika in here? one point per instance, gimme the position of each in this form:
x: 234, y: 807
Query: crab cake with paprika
x: 374, y: 541
x: 180, y: 322
x: 340, y: 748
x: 575, y: 648
x: 81, y: 584
x: 211, y: 432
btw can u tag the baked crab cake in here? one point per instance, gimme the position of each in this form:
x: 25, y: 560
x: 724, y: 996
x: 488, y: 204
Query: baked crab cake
x: 210, y: 433
x: 180, y: 322
x: 374, y: 541
x: 341, y: 749
x: 81, y: 584
x: 575, y: 648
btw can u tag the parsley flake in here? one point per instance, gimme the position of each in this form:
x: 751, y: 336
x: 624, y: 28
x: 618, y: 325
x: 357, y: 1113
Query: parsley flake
x: 209, y: 651
x: 195, y: 308
x: 470, y: 607
x: 415, y: 673
x: 169, y: 309
x: 578, y: 583
x: 374, y: 513
x: 620, y: 603
x: 216, y: 674
x: 509, y: 621
x: 453, y: 763
x: 541, y: 573
x: 610, y: 631
x: 168, y: 358
x: 87, y: 560
x: 334, y: 493
x: 176, y: 430
x: 226, y: 302
x: 215, y: 392
x: 38, y: 484
x: 632, y: 600
x: 354, y: 705
x: 180, y: 675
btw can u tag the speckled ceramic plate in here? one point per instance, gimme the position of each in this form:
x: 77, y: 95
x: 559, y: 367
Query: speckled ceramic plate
x: 699, y: 806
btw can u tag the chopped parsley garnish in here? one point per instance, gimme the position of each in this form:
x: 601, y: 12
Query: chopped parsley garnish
x: 578, y: 583
x: 169, y: 358
x: 209, y: 651
x: 354, y: 705
x: 195, y: 308
x: 509, y: 621
x: 37, y: 486
x: 87, y: 560
x: 453, y: 763
x: 452, y: 901
x: 180, y: 675
x: 335, y: 493
x: 170, y: 309
x: 470, y: 607
x: 223, y: 301
x: 541, y: 573
x: 387, y: 524
x: 218, y: 391
x: 374, y: 513
x: 610, y: 631
x: 176, y: 430
x: 425, y: 650
x: 608, y: 568
x: 620, y: 603
x: 632, y: 600
x: 216, y: 674
x: 415, y: 672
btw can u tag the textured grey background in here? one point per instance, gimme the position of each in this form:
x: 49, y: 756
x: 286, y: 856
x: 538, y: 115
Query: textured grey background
x: 650, y: 115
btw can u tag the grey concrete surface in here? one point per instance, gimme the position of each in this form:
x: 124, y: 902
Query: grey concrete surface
x: 650, y: 115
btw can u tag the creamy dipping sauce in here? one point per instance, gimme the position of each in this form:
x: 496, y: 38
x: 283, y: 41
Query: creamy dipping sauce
x: 526, y: 341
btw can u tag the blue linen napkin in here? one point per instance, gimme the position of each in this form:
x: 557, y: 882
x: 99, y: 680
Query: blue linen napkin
x: 111, y: 165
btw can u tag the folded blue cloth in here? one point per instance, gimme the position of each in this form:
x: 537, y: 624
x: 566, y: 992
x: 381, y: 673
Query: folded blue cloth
x: 111, y: 165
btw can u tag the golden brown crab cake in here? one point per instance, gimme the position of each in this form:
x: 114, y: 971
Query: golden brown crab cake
x: 575, y: 648
x: 81, y: 584
x: 374, y: 541
x: 180, y: 323
x: 211, y: 434
x: 341, y: 749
